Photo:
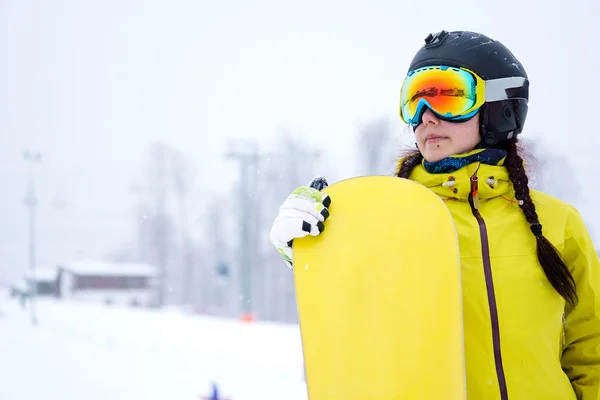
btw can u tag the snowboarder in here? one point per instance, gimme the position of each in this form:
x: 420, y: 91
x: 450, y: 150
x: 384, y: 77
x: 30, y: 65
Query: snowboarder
x: 214, y: 393
x: 531, y: 275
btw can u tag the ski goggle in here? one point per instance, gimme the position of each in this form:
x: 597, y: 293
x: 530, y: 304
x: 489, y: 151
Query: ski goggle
x: 453, y: 93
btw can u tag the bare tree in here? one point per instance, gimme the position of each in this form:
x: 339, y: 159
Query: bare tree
x: 217, y: 281
x: 162, y: 192
x: 375, y: 147
x: 247, y: 155
x: 182, y: 176
x: 291, y: 163
x: 234, y: 260
x: 122, y: 253
x: 157, y: 221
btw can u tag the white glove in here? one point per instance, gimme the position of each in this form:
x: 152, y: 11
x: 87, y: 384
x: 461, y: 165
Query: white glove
x: 301, y: 214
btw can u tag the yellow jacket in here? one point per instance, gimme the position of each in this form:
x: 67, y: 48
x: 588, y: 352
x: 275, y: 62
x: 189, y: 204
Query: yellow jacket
x: 520, y: 336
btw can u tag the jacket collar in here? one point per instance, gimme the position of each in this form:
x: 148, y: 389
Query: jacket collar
x: 493, y: 181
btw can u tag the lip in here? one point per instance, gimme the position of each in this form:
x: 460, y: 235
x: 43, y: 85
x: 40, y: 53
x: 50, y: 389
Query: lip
x: 433, y: 138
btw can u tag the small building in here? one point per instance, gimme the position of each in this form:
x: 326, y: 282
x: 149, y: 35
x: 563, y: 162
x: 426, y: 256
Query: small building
x: 44, y: 280
x: 110, y: 283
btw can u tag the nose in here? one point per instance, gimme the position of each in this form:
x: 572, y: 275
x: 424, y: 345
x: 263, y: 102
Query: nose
x: 429, y: 118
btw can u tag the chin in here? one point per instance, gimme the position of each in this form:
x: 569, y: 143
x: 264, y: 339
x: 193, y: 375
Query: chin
x: 433, y: 152
x: 434, y: 157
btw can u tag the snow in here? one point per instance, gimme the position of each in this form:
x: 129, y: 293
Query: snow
x: 20, y: 284
x: 144, y: 297
x: 86, y: 351
x: 106, y: 269
x: 42, y: 273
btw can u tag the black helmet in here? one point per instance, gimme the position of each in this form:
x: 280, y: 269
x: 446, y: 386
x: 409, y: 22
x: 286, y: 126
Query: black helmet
x: 490, y: 59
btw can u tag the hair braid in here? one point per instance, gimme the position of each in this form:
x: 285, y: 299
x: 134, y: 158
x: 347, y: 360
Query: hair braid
x: 549, y: 258
x: 411, y: 160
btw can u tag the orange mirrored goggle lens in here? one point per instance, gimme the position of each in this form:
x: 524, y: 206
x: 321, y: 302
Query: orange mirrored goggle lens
x: 448, y: 91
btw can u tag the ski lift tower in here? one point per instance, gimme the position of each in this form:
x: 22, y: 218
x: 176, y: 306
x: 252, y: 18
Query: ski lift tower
x: 245, y: 152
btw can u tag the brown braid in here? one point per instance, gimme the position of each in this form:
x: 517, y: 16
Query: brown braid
x: 549, y: 258
x: 409, y: 162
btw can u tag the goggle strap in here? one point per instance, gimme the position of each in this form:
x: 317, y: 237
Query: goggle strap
x: 497, y: 89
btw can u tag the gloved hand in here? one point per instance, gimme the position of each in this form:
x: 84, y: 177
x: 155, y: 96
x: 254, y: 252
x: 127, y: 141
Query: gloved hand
x: 301, y: 214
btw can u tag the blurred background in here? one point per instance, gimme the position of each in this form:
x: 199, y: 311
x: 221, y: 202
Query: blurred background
x: 147, y: 145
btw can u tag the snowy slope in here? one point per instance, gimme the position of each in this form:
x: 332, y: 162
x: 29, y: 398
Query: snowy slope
x: 82, y: 351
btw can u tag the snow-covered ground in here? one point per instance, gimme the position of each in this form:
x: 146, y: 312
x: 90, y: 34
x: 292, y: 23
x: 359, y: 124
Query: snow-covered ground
x: 95, y: 352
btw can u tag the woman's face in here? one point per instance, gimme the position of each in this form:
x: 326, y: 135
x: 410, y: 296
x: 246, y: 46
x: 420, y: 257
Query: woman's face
x: 438, y: 139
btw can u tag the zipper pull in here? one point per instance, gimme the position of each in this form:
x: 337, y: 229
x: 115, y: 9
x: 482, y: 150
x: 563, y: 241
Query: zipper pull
x: 474, y: 191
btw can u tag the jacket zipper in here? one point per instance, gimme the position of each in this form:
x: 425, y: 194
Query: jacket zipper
x: 489, y: 283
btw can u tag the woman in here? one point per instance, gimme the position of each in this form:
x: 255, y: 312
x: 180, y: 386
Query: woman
x: 531, y: 276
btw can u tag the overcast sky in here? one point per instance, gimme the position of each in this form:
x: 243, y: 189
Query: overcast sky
x: 92, y: 83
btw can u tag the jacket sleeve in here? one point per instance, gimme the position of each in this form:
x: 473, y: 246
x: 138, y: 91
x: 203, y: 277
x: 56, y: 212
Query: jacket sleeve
x: 581, y: 354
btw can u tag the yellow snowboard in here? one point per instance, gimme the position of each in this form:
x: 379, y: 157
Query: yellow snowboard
x: 379, y: 295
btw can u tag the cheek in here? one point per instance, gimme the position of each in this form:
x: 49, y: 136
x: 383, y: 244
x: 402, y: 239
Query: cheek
x: 467, y: 134
x: 473, y: 134
x: 473, y: 128
x: 417, y: 132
